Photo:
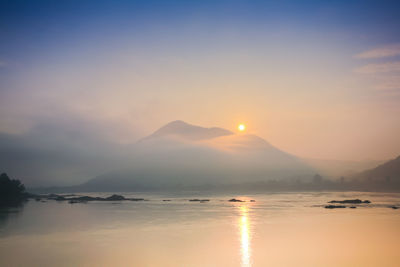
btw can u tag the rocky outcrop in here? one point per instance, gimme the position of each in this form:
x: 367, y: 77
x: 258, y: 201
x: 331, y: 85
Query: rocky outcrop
x: 350, y: 201
x: 335, y: 207
x: 199, y: 200
x: 235, y: 200
x: 78, y: 199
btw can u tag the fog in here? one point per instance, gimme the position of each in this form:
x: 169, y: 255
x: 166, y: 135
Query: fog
x: 55, y: 156
x: 79, y: 87
x: 54, y: 153
x: 175, y: 156
x: 174, y: 160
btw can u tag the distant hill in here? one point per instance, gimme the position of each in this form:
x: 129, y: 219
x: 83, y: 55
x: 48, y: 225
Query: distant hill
x: 386, y: 172
x: 338, y: 168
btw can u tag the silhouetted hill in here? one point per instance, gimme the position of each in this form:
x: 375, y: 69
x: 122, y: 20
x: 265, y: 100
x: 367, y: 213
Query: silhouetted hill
x: 337, y: 168
x: 386, y: 172
x: 181, y: 155
x: 187, y: 131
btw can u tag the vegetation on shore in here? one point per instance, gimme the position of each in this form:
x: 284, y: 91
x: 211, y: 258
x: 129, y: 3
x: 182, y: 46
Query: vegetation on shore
x: 12, y: 191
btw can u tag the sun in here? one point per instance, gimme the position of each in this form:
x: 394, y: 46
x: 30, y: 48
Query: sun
x: 241, y: 127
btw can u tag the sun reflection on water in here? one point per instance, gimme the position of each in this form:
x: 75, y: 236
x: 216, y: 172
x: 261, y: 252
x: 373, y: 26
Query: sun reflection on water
x: 245, y: 237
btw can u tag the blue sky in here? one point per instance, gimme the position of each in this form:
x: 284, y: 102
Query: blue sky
x: 31, y: 28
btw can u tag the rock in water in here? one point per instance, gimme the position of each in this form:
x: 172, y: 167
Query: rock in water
x: 335, y: 207
x: 350, y: 201
x: 235, y: 200
x: 115, y: 198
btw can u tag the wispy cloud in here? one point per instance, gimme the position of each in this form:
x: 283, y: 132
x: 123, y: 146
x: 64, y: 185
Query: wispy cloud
x: 380, y: 67
x: 389, y: 84
x: 381, y: 52
x: 385, y: 74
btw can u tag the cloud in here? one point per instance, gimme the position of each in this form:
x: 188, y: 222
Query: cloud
x: 381, y: 52
x: 380, y: 67
x: 389, y: 84
x: 385, y: 74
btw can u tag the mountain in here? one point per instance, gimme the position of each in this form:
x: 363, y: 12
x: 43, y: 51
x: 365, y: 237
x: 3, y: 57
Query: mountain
x: 181, y: 155
x: 187, y: 131
x: 338, y: 168
x: 386, y: 172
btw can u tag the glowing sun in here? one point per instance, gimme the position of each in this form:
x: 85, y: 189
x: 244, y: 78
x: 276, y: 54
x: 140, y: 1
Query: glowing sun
x: 241, y: 127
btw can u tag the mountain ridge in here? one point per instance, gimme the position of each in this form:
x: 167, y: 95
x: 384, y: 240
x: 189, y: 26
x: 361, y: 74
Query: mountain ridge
x: 387, y: 171
x: 180, y: 154
x: 188, y: 131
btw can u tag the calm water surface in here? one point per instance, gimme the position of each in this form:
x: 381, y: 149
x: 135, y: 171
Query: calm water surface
x: 288, y: 229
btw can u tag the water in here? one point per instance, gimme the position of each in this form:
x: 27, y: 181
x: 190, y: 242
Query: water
x: 287, y: 229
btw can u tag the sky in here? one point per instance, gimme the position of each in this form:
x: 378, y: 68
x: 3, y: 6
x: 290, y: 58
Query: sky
x: 318, y: 79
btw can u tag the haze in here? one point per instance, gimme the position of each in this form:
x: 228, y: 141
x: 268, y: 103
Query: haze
x: 81, y: 81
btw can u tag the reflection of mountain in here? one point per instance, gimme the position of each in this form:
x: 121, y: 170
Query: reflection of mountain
x: 184, y: 155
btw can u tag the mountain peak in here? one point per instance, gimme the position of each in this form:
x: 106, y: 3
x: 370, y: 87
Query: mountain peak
x: 177, y: 122
x: 188, y: 131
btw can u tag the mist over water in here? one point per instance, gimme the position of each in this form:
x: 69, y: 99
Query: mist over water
x: 282, y: 229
